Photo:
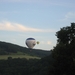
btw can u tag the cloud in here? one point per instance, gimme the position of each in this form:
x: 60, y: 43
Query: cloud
x: 70, y: 16
x: 49, y: 42
x: 46, y: 42
x: 21, y: 28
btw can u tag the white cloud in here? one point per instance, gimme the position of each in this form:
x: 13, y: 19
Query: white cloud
x: 70, y: 16
x: 21, y: 28
x: 49, y: 42
x: 46, y: 42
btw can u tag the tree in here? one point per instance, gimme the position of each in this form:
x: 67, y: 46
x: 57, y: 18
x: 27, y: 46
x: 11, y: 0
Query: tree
x: 66, y: 35
x: 64, y: 52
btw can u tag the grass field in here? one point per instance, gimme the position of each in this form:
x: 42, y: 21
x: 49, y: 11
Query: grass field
x: 17, y: 56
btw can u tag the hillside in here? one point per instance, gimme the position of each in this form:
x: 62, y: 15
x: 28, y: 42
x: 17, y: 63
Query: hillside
x: 21, y: 66
x: 9, y: 48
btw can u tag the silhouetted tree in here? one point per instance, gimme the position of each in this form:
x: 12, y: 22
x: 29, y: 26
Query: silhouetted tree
x: 64, y: 52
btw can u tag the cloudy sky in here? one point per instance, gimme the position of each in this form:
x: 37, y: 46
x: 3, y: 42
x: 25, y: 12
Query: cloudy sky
x: 40, y: 19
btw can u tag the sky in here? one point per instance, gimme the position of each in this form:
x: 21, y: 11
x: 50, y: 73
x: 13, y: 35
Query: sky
x: 39, y: 19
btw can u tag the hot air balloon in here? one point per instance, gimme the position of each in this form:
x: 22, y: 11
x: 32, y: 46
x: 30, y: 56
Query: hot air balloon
x: 30, y: 42
x: 37, y: 42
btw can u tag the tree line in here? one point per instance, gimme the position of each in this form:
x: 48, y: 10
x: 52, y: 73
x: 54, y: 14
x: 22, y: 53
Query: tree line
x: 22, y: 66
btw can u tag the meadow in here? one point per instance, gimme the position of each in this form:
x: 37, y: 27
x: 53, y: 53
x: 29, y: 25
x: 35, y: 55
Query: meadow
x: 5, y: 57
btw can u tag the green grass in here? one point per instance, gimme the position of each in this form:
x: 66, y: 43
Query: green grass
x: 5, y: 57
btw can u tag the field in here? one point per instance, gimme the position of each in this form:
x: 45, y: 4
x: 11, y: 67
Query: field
x: 17, y: 56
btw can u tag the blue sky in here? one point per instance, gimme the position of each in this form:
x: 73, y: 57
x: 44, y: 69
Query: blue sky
x: 40, y: 19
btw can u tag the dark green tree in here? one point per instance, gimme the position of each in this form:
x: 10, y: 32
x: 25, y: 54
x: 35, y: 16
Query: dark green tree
x: 66, y: 35
x: 64, y: 52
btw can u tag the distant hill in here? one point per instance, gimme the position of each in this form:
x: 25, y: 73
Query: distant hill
x: 9, y: 48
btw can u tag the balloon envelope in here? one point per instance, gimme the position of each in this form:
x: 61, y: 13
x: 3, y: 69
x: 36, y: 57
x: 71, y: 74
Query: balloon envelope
x: 30, y: 42
x: 37, y: 42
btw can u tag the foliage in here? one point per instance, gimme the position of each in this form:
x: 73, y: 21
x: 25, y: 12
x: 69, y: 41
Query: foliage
x: 22, y: 66
x: 66, y: 35
x: 64, y: 52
